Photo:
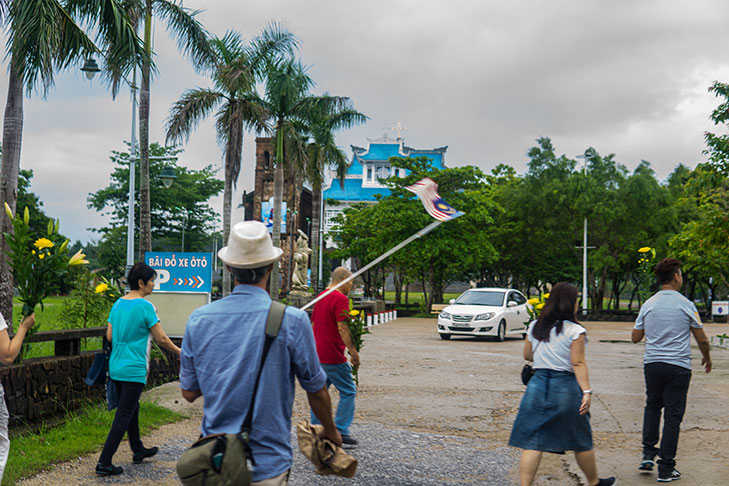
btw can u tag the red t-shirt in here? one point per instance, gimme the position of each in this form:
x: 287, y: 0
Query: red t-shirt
x: 327, y: 312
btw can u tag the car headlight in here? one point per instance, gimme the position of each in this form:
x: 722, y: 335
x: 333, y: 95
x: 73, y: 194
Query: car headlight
x: 485, y: 317
x: 445, y: 315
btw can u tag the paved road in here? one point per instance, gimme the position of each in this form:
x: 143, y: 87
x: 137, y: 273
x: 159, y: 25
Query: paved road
x: 439, y: 412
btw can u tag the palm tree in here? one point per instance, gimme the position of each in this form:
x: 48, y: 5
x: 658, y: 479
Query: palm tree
x: 299, y: 116
x: 237, y: 106
x: 192, y: 40
x: 329, y: 115
x: 43, y: 37
x: 287, y: 100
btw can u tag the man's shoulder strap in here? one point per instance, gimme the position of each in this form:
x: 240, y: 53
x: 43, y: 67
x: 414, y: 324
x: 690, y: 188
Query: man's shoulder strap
x: 275, y: 317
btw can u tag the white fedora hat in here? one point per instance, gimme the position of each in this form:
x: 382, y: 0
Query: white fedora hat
x: 249, y: 246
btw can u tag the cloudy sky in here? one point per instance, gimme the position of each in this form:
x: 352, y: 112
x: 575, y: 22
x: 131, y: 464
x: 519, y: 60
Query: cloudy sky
x: 486, y: 78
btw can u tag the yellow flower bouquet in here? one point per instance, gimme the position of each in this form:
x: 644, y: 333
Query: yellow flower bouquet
x: 356, y: 321
x: 39, y: 265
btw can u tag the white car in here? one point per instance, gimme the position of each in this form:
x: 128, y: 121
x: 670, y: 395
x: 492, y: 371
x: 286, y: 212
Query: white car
x: 485, y: 312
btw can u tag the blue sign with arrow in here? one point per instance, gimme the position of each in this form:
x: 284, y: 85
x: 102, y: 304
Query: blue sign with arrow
x: 182, y: 272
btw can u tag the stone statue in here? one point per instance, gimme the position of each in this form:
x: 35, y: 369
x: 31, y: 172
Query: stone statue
x: 301, y: 263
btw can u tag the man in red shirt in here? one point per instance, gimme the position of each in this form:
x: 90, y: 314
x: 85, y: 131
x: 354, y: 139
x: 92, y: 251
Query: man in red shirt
x: 332, y: 336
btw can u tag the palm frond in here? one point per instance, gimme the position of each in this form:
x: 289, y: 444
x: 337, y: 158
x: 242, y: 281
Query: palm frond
x: 186, y: 113
x: 115, y: 22
x: 275, y: 42
x: 232, y: 71
x: 43, y: 37
x: 192, y: 38
x: 287, y: 83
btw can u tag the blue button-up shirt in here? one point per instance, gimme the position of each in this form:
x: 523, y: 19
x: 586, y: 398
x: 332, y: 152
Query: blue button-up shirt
x: 221, y: 353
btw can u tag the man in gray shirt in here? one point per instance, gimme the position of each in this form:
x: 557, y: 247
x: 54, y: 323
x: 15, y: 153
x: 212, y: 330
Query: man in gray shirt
x: 667, y: 321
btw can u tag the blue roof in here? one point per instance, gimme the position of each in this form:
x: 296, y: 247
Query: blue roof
x: 353, y: 191
x: 382, y: 151
x: 376, y: 151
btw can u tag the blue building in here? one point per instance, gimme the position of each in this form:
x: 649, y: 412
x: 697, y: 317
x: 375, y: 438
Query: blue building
x: 368, y: 167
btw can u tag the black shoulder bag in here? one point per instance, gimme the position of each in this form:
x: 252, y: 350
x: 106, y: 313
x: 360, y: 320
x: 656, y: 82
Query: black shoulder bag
x: 226, y: 459
x: 527, y: 371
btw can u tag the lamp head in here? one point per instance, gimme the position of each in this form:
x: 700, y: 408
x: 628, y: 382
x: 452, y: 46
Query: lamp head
x: 90, y: 68
x: 167, y: 176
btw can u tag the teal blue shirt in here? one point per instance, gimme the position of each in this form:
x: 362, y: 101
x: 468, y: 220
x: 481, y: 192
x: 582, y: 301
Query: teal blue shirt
x: 130, y: 321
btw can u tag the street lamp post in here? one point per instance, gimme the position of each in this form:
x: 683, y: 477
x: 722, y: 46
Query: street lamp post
x: 584, y: 157
x: 90, y: 68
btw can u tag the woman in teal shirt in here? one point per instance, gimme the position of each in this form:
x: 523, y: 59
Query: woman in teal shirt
x: 133, y: 322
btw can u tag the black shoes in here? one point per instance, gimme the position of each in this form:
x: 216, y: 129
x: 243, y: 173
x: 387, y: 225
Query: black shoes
x: 668, y: 476
x: 108, y: 469
x: 348, y: 440
x: 606, y: 481
x: 647, y: 464
x: 143, y: 454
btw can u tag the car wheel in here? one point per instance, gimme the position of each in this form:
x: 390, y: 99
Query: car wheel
x: 501, y: 333
x: 445, y: 337
x: 523, y: 335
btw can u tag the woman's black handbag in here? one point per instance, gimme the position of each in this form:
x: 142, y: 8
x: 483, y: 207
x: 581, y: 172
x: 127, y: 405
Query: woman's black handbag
x: 99, y: 367
x: 226, y: 459
x: 527, y: 371
x: 97, y: 372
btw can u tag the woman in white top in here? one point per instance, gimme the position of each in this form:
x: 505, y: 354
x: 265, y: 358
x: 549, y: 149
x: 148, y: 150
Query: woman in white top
x: 554, y: 414
x: 9, y: 350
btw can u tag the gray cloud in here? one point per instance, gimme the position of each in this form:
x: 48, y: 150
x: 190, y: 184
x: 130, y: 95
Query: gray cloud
x: 485, y: 78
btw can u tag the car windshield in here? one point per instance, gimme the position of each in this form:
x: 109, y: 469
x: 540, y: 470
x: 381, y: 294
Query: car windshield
x: 492, y: 298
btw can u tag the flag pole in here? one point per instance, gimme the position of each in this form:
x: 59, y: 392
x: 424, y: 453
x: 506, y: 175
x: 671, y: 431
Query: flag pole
x: 377, y: 260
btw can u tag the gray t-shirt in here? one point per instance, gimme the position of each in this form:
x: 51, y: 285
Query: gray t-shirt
x: 667, y: 319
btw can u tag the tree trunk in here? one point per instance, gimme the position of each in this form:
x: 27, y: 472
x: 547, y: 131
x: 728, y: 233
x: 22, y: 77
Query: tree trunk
x: 600, y: 291
x: 278, y: 183
x: 233, y: 157
x: 316, y: 201
x: 145, y: 222
x: 227, y: 204
x: 12, y: 142
x: 397, y: 278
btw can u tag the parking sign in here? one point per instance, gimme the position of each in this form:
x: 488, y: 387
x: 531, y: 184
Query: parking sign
x: 182, y: 272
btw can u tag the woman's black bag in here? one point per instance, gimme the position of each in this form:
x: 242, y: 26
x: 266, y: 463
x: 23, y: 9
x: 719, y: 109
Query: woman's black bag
x: 99, y: 367
x: 225, y: 459
x: 527, y: 371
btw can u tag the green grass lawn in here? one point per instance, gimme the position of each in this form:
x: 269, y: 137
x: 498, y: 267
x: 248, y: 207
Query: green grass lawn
x: 83, y: 432
x: 49, y: 319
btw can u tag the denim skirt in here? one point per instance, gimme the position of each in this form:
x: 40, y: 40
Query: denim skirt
x: 549, y: 419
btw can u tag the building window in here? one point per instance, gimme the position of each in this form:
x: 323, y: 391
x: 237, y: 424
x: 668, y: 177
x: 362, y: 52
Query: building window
x: 329, y: 216
x: 376, y: 172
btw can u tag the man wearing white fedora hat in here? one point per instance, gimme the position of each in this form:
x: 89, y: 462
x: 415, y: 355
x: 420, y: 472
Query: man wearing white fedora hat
x: 224, y: 338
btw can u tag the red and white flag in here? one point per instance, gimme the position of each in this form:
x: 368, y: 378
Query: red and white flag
x: 427, y: 191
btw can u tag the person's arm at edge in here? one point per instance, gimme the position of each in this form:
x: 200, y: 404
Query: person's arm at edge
x: 321, y: 405
x: 161, y: 338
x: 190, y: 395
x: 703, y: 341
x: 9, y: 348
x: 528, y: 355
x: 579, y: 366
x: 349, y: 343
x: 637, y: 335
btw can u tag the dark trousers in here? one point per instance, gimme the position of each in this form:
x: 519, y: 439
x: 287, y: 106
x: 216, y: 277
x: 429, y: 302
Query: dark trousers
x: 125, y: 420
x: 666, y: 387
